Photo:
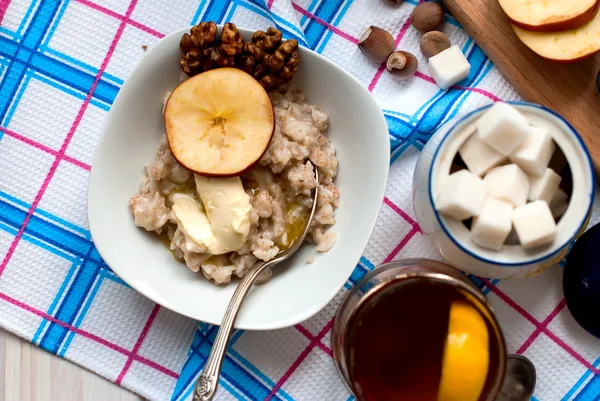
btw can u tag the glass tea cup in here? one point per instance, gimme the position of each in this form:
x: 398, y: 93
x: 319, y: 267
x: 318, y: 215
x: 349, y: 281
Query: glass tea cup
x: 389, y: 332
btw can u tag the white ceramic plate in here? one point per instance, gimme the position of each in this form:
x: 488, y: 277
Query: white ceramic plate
x: 297, y: 290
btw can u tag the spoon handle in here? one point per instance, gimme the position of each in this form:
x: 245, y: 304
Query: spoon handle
x: 207, y: 383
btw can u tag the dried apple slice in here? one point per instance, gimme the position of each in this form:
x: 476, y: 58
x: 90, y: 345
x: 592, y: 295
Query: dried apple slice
x: 550, y: 15
x: 566, y: 46
x: 219, y: 123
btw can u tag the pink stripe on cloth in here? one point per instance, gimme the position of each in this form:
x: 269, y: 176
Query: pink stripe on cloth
x: 480, y: 91
x: 375, y: 79
x: 572, y: 352
x: 3, y: 8
x: 308, y: 335
x: 483, y: 92
x: 100, y: 8
x: 120, y: 17
x: 401, y: 245
x: 44, y: 148
x: 270, y: 4
x: 424, y: 77
x: 318, y: 20
x: 138, y: 344
x: 325, y: 348
x: 316, y: 339
x: 304, y: 331
x: 401, y: 212
x: 67, y: 140
x: 146, y: 29
x: 510, y: 302
x: 544, y: 324
x: 76, y: 162
x: 537, y: 324
x: 87, y: 335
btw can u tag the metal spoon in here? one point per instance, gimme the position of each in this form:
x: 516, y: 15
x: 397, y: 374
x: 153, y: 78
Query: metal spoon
x: 207, y: 383
x: 519, y: 382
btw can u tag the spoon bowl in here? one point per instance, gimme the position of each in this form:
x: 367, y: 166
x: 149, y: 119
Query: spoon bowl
x: 519, y: 381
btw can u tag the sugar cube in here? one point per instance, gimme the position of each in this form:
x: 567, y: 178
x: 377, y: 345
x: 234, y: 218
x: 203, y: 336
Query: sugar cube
x: 544, y: 187
x: 534, y: 154
x: 559, y: 197
x: 461, y: 196
x: 491, y: 228
x: 534, y: 224
x: 449, y: 67
x: 503, y: 127
x: 558, y: 204
x: 479, y: 156
x: 508, y: 183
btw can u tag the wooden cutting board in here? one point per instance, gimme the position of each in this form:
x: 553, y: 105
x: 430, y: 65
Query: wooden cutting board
x: 569, y: 89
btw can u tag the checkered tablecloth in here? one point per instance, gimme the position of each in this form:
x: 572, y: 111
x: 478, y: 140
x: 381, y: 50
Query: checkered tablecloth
x: 61, y: 66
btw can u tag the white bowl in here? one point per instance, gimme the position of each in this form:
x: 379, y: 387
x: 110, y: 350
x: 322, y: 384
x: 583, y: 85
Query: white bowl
x: 297, y: 290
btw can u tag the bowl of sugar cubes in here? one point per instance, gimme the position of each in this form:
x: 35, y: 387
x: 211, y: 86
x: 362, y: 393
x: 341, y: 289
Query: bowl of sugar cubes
x: 503, y: 191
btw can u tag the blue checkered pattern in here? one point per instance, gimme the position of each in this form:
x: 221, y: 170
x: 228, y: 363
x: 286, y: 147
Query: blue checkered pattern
x: 62, y: 64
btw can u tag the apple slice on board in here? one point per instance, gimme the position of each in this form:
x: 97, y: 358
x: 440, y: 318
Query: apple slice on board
x: 550, y: 15
x: 566, y: 46
x: 219, y: 123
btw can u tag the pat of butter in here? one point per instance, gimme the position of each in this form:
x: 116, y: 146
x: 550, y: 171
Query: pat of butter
x: 225, y: 225
x: 228, y: 209
x: 191, y: 219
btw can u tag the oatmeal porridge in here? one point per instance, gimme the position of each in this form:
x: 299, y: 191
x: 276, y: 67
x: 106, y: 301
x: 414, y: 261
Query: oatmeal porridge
x: 279, y: 190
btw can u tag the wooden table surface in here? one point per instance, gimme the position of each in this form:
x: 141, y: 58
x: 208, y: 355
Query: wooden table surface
x: 567, y: 88
x: 28, y: 373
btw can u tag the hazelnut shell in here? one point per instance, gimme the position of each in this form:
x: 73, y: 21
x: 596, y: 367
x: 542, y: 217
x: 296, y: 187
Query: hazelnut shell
x: 433, y: 43
x: 428, y: 16
x: 377, y: 44
x: 402, y: 64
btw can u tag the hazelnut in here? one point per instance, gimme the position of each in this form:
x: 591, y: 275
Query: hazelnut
x: 428, y: 16
x: 402, y: 64
x: 433, y: 42
x: 396, y: 2
x: 377, y: 44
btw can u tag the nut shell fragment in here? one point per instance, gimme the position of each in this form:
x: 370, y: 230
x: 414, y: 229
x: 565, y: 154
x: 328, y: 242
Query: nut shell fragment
x: 427, y: 16
x: 377, y: 44
x: 433, y: 43
x: 402, y: 64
